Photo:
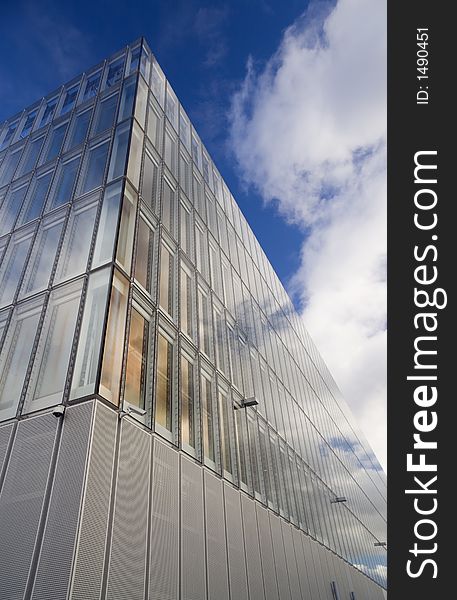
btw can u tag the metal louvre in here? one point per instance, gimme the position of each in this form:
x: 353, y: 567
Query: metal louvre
x: 266, y: 551
x: 193, y: 585
x: 164, y: 553
x: 216, y: 550
x: 235, y: 544
x: 253, y: 560
x: 280, y: 558
x: 5, y: 437
x: 57, y: 551
x: 21, y: 501
x: 90, y: 556
x: 127, y: 565
x: 291, y: 563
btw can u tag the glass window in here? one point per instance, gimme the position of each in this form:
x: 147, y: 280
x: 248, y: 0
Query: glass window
x: 135, y: 155
x: 74, y: 253
x: 204, y: 329
x: 207, y: 170
x: 13, y: 264
x: 27, y: 128
x: 9, y: 164
x: 263, y: 459
x: 64, y: 182
x: 114, y: 340
x: 107, y: 226
x: 141, y: 102
x: 92, y: 84
x: 9, y: 134
x: 166, y: 279
x: 164, y: 385
x: 201, y: 251
x: 30, y: 157
x: 185, y: 177
x: 36, y: 197
x: 79, y: 129
x: 206, y: 398
x: 127, y: 230
x: 150, y: 181
x: 55, y: 141
x: 115, y: 71
x: 154, y: 127
x: 185, y: 304
x: 17, y: 349
x: 241, y: 440
x: 95, y: 166
x: 184, y: 130
x: 48, y: 112
x: 41, y: 261
x: 70, y: 99
x: 168, y: 205
x: 221, y: 344
x: 134, y: 59
x: 143, y: 258
x: 199, y: 198
x: 135, y: 377
x: 185, y: 230
x: 170, y: 151
x: 104, y: 114
x: 91, y: 335
x: 189, y: 414
x: 50, y: 367
x: 11, y: 207
x: 171, y: 107
x: 119, y: 152
x: 254, y: 454
x: 225, y: 414
x: 196, y: 151
x: 157, y: 83
x: 127, y: 99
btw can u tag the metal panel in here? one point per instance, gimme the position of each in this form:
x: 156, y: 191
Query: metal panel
x: 253, y: 561
x: 326, y: 576
x: 280, y: 558
x: 235, y: 544
x: 127, y: 564
x: 313, y: 573
x: 21, y: 500
x: 93, y: 529
x: 164, y: 548
x: 57, y: 551
x: 6, y: 431
x: 192, y: 537
x: 302, y: 568
x: 291, y: 563
x: 266, y: 552
x: 216, y: 549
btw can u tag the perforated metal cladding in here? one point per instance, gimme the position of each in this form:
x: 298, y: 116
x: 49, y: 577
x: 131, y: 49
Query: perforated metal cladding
x: 253, y: 561
x: 21, y: 501
x: 192, y: 532
x: 127, y: 564
x: 57, y: 551
x: 88, y: 569
x: 5, y: 436
x: 301, y: 564
x: 291, y: 563
x: 312, y: 573
x: 216, y: 550
x: 321, y: 573
x: 280, y: 558
x: 235, y: 544
x: 266, y: 551
x: 164, y: 549
x: 327, y: 575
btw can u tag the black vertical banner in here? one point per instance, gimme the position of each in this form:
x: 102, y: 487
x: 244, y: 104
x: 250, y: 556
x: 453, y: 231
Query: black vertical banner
x: 422, y: 248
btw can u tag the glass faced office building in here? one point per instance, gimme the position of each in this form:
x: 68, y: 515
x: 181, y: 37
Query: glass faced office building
x: 168, y: 429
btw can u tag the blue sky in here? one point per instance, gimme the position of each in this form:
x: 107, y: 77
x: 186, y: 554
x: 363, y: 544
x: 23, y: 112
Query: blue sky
x: 203, y: 49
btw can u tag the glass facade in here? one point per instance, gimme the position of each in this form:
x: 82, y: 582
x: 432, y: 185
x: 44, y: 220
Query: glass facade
x: 128, y: 272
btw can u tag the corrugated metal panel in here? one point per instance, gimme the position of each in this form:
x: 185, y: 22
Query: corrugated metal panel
x: 57, y: 551
x: 326, y: 576
x: 192, y: 536
x: 311, y: 571
x: 235, y: 544
x: 89, y: 561
x: 291, y: 563
x: 6, y: 431
x: 253, y: 561
x: 266, y: 552
x: 280, y: 558
x: 216, y: 550
x: 127, y: 564
x: 21, y: 501
x: 164, y: 552
x: 301, y: 565
x: 313, y: 546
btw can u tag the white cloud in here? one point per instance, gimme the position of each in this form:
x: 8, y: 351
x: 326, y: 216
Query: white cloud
x: 308, y: 131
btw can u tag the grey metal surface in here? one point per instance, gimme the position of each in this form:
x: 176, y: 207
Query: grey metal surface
x: 93, y: 529
x: 6, y: 431
x: 266, y: 551
x: 21, y: 501
x: 291, y: 562
x: 127, y: 564
x: 55, y: 563
x: 313, y: 574
x: 251, y: 541
x: 193, y: 584
x: 164, y: 544
x: 302, y: 568
x: 216, y: 549
x: 280, y: 558
x: 235, y: 544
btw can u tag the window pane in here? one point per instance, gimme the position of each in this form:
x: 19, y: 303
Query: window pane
x: 143, y: 259
x: 76, y: 246
x: 95, y: 167
x: 55, y: 141
x: 11, y: 207
x: 104, y: 115
x: 31, y: 155
x: 127, y: 230
x: 170, y: 150
x: 224, y: 416
x: 114, y: 340
x: 70, y: 99
x: 168, y: 206
x: 134, y: 59
x: 9, y: 165
x: 115, y: 71
x: 186, y: 302
x: 203, y: 323
x: 189, y: 416
x: 154, y: 127
x: 79, y: 129
x: 135, y: 154
x: 48, y: 112
x: 15, y: 355
x: 104, y: 246
x: 256, y: 476
x: 164, y: 389
x: 207, y: 417
x: 157, y: 82
x: 241, y: 437
x: 92, y: 83
x: 36, y: 197
x: 127, y: 98
x: 135, y: 378
x: 13, y: 265
x: 119, y: 152
x: 166, y: 280
x: 171, y: 107
x: 185, y: 222
x: 90, y: 338
x: 150, y: 182
x: 64, y: 183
